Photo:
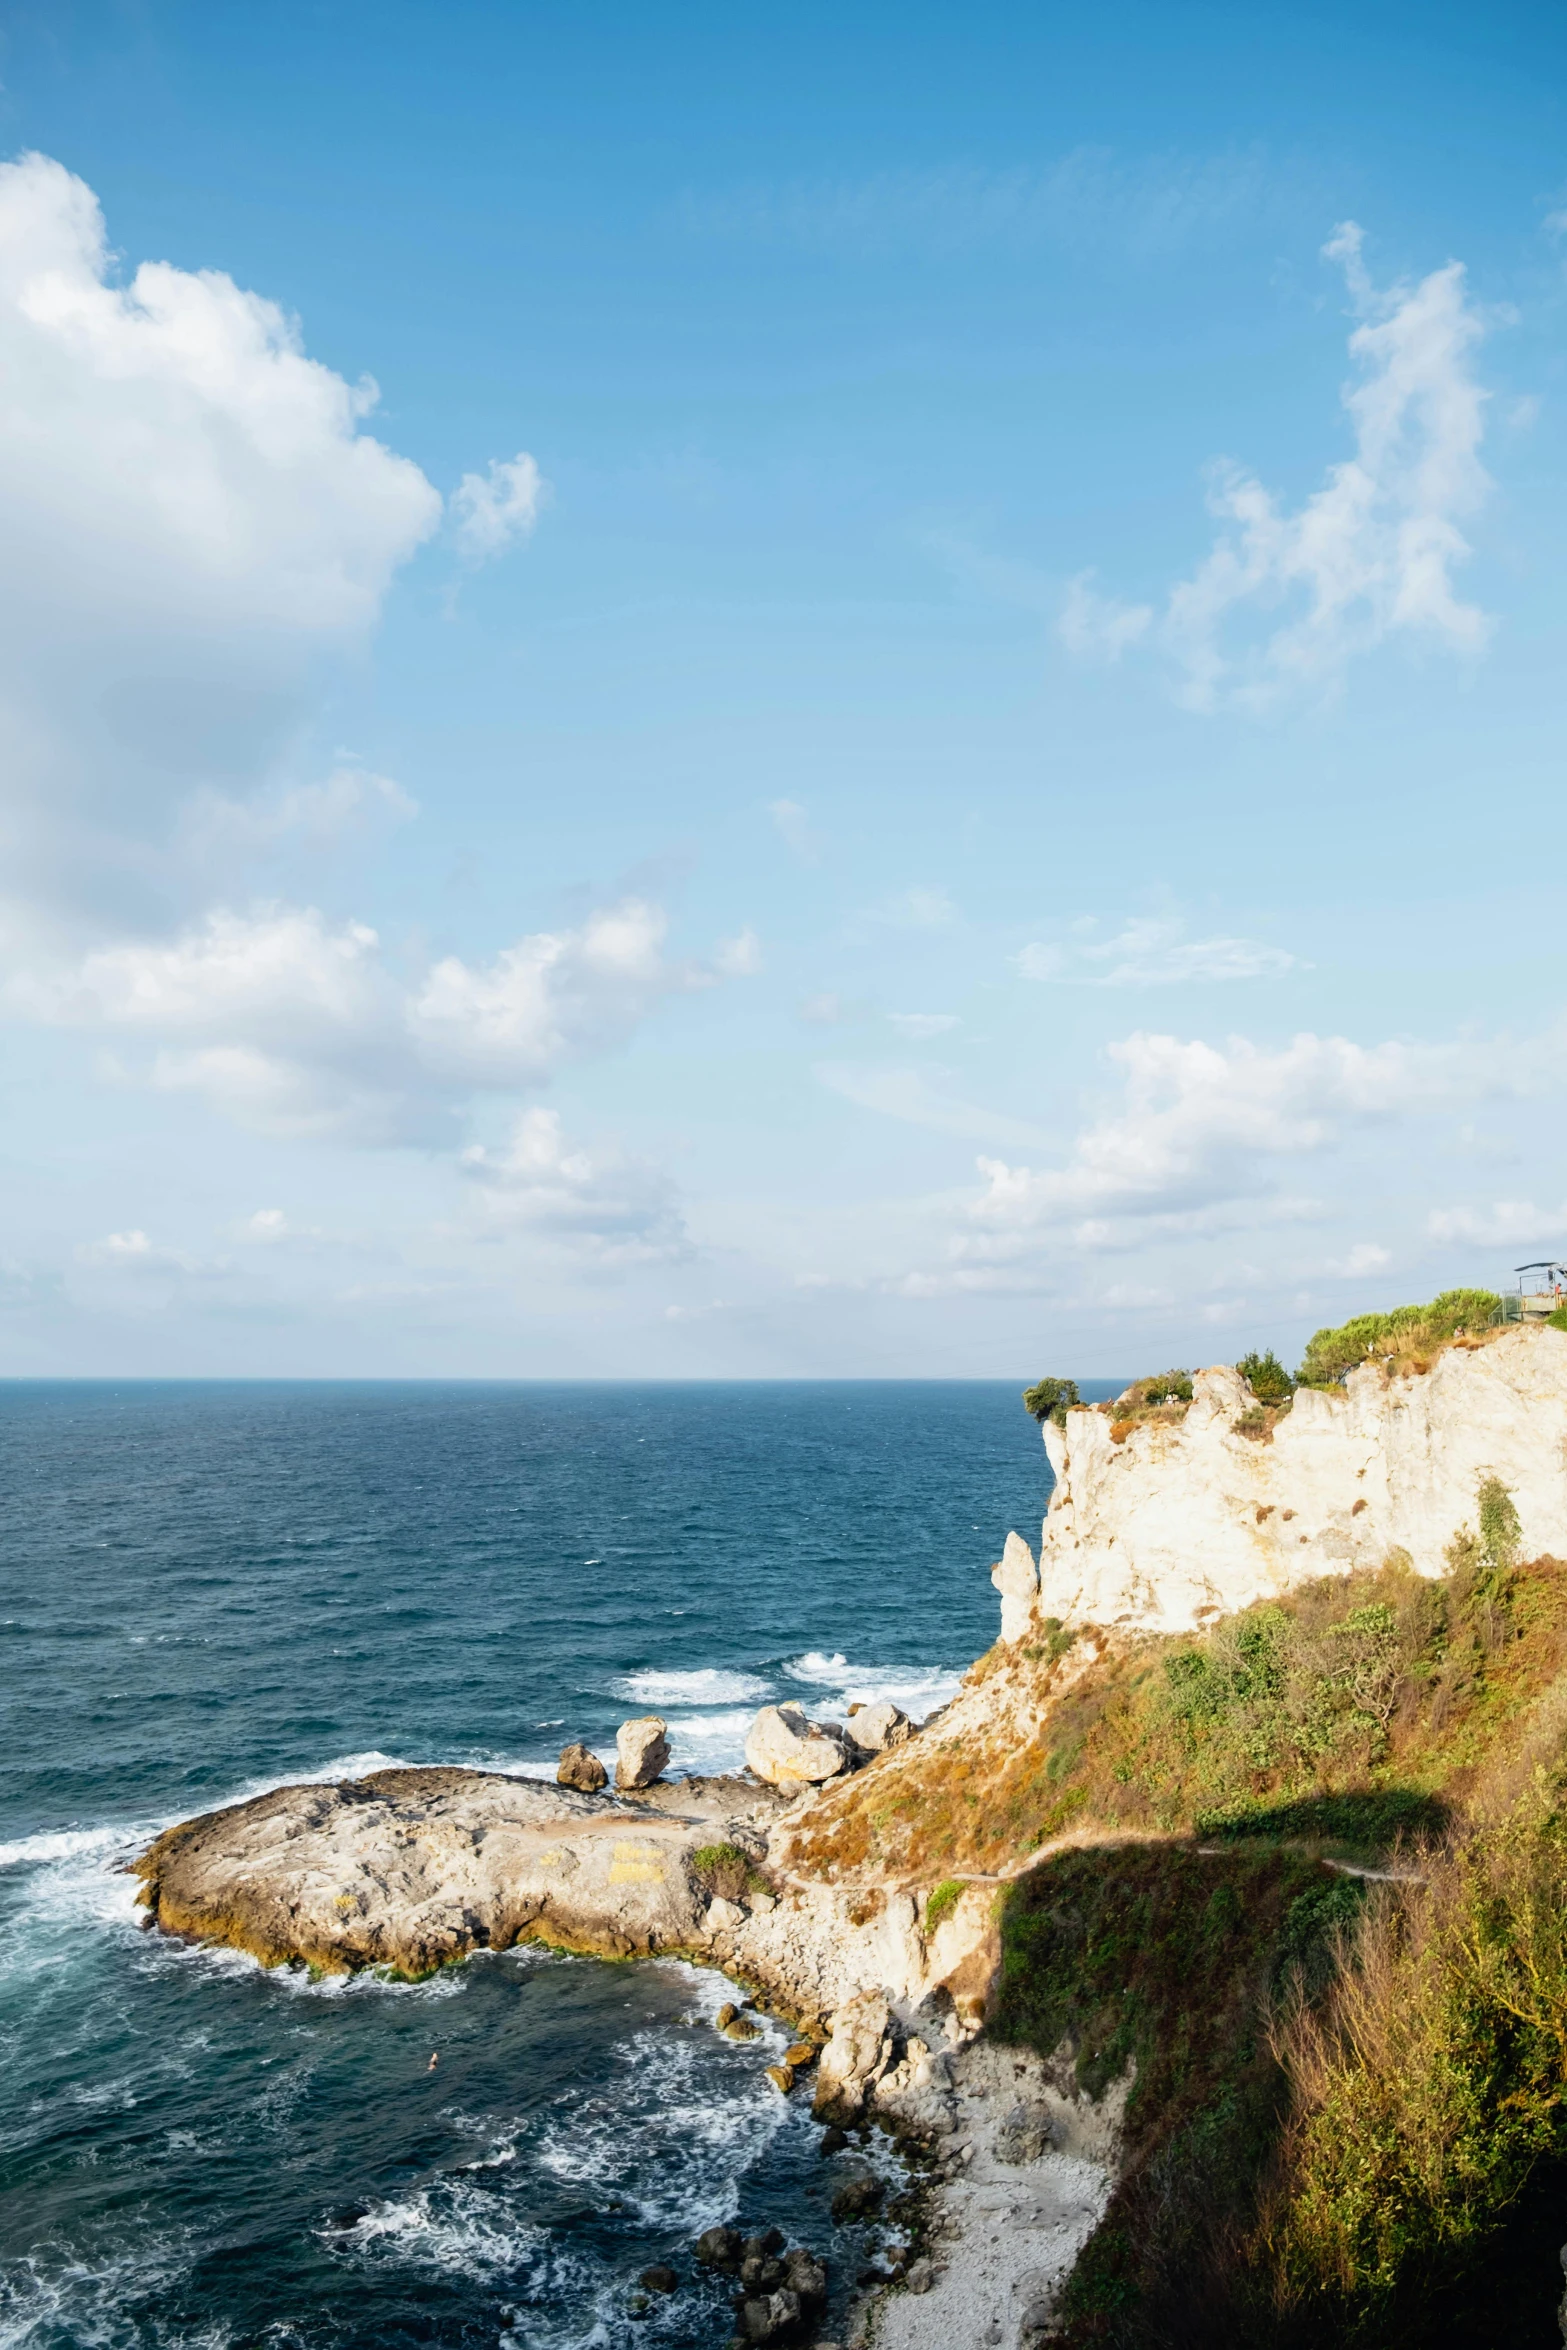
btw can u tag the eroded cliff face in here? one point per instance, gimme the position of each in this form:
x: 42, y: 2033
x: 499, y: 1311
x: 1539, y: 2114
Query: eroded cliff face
x: 1175, y: 1525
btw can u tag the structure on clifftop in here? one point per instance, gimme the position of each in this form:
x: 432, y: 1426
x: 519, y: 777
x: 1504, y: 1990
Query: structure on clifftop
x: 1162, y: 1525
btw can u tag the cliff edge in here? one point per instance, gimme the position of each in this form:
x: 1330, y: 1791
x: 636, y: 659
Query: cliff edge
x: 1162, y: 1528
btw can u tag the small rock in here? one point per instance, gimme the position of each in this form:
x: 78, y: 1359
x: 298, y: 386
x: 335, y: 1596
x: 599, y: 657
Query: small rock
x: 659, y: 2279
x: 718, y: 2248
x: 806, y: 2275
x: 801, y: 2054
x: 921, y: 2276
x: 580, y: 1768
x: 1024, y: 2134
x: 781, y: 2077
x: 833, y: 2141
x: 853, y: 2198
x: 740, y: 2027
x: 642, y: 1750
x: 726, y: 2014
x: 764, y: 1903
x: 769, y: 2242
x: 763, y: 2319
x: 723, y: 1916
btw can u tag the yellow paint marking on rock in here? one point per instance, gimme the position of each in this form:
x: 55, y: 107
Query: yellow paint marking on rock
x: 636, y: 1864
x: 549, y: 1860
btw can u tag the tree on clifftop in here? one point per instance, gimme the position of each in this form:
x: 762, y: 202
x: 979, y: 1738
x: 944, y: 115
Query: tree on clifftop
x: 1051, y: 1399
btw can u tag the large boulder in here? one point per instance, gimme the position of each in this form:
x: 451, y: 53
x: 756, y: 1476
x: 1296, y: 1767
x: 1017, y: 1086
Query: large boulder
x: 1017, y: 1579
x: 786, y: 1750
x: 580, y: 1768
x: 876, y: 1727
x: 641, y: 1751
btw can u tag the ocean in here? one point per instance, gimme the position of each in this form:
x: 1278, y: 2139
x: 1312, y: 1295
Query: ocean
x: 209, y: 1589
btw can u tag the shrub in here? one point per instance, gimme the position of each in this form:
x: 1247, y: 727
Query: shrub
x: 942, y: 1900
x: 1500, y: 1532
x: 1266, y: 1376
x: 1558, y: 1320
x: 725, y: 1870
x: 1051, y: 1399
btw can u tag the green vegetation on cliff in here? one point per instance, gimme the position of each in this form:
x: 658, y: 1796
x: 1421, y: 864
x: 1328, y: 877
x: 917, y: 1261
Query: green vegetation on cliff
x: 1343, y: 2084
x: 1408, y: 1335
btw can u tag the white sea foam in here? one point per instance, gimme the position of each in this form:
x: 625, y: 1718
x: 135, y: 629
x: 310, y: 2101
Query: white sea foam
x: 918, y: 1689
x: 58, y: 1844
x: 449, y: 2225
x: 709, y: 1685
x: 702, y: 2118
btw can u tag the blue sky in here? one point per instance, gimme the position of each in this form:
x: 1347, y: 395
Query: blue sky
x: 706, y: 692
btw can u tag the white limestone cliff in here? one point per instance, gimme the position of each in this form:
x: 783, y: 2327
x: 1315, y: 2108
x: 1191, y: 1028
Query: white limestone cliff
x: 1177, y: 1524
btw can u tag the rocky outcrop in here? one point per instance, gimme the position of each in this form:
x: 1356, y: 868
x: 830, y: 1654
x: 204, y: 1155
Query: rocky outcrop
x: 1175, y: 1524
x: 1017, y: 1579
x: 641, y: 1752
x: 786, y: 1750
x: 410, y: 1869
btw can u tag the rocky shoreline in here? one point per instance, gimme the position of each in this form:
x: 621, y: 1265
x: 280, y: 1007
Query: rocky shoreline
x: 408, y: 1870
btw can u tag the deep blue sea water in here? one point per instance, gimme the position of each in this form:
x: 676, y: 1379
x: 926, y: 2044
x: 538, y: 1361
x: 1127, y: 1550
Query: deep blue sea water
x: 208, y: 1589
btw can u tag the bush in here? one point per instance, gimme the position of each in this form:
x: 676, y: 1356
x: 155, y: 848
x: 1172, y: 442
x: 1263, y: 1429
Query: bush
x: 1406, y: 1331
x: 1558, y: 1320
x: 1051, y: 1399
x: 941, y: 1902
x: 1266, y: 1376
x: 725, y: 1871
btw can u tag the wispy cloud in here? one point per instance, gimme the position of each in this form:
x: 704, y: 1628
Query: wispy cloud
x: 1150, y: 954
x: 917, y: 1098
x: 922, y: 1024
x: 1090, y: 197
x: 793, y: 827
x: 1505, y: 1223
x: 1371, y: 555
x: 920, y: 908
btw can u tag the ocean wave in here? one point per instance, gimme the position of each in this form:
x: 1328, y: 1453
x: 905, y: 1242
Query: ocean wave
x: 59, y: 1844
x: 708, y: 1685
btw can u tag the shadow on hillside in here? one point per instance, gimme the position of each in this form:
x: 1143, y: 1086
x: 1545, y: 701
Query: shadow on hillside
x: 1368, y: 1824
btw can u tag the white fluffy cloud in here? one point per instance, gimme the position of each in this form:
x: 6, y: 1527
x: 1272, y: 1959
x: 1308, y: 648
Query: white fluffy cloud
x: 1200, y: 1125
x: 1149, y: 954
x: 1286, y: 599
x: 496, y: 509
x: 615, y: 1210
x: 294, y: 1025
x: 191, y: 514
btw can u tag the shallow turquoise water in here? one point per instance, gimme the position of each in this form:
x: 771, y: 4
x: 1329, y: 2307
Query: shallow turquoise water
x: 208, y: 1589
